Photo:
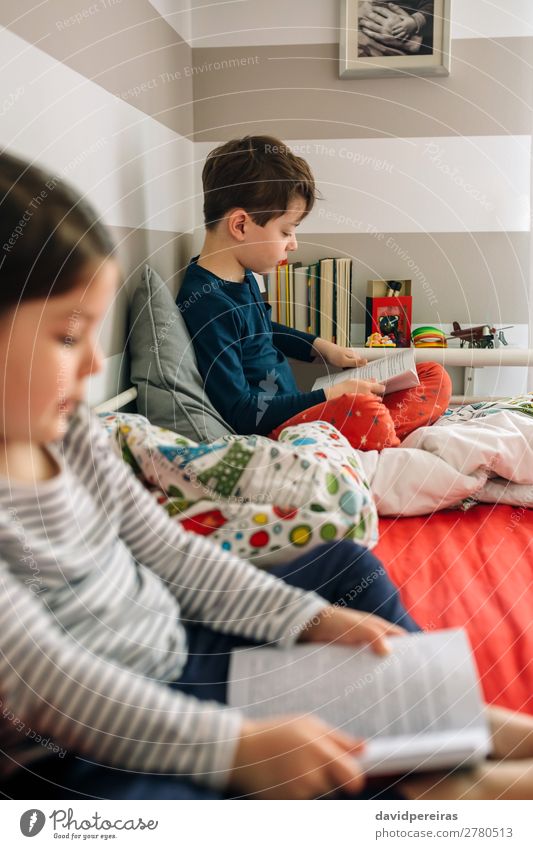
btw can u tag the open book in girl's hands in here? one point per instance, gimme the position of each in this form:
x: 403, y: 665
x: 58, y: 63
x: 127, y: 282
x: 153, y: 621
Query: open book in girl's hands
x: 420, y: 708
x: 396, y: 371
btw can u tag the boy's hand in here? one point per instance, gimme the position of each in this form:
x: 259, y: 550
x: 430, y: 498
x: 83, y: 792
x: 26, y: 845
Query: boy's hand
x: 354, y: 387
x: 295, y: 757
x: 350, y: 628
x: 337, y: 356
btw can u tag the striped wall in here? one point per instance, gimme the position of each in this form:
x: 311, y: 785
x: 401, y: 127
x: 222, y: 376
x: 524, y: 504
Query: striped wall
x: 428, y: 178
x: 99, y: 93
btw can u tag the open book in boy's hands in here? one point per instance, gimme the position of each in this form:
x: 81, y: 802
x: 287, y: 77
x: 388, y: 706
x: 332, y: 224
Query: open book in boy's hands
x: 396, y: 371
x: 420, y: 708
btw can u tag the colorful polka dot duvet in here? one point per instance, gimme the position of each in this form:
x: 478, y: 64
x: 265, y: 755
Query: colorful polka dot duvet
x: 262, y: 500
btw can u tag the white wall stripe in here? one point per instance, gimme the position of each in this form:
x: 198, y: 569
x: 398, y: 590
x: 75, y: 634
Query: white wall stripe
x: 241, y: 23
x: 492, y: 18
x: 437, y: 185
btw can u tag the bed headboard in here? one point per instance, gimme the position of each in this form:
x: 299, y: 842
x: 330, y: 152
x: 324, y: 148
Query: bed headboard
x: 117, y: 401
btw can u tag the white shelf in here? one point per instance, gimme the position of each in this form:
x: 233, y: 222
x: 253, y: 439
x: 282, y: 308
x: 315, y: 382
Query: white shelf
x: 462, y: 357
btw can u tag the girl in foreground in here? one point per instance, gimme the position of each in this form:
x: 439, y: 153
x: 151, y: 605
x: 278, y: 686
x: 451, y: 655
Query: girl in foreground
x: 116, y: 625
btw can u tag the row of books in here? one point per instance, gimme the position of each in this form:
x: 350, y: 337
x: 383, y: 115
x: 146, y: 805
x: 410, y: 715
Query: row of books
x: 315, y: 298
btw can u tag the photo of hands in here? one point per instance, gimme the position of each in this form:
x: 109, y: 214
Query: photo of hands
x: 409, y: 38
x: 395, y: 29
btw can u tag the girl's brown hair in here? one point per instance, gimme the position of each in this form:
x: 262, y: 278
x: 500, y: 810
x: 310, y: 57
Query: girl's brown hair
x: 259, y: 174
x: 48, y: 234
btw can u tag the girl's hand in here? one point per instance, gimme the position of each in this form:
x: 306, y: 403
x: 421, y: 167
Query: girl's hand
x: 335, y: 355
x: 350, y: 628
x: 354, y: 387
x: 295, y: 757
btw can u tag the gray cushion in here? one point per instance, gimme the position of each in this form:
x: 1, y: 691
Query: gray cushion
x: 163, y: 366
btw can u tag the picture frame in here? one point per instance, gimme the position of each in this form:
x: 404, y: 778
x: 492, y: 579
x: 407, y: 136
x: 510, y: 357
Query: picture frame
x: 383, y: 39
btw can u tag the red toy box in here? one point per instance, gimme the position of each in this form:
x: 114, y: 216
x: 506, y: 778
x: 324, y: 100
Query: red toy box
x: 389, y: 315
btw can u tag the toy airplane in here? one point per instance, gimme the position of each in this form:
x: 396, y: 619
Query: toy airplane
x: 481, y: 336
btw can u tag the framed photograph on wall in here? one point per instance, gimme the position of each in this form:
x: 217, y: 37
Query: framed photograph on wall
x: 383, y: 39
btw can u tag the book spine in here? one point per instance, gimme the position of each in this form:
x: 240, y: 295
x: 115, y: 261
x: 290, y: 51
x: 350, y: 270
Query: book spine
x: 309, y: 276
x: 278, y: 290
x: 334, y: 327
x: 326, y: 298
x: 289, y: 293
x: 317, y: 299
x: 349, y: 310
x: 312, y: 299
x: 281, y: 276
x: 286, y: 294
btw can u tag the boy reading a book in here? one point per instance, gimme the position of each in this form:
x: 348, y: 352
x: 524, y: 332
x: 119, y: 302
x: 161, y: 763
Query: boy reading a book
x: 256, y: 193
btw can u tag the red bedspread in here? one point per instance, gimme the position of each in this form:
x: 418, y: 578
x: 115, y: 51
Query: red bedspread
x: 473, y: 569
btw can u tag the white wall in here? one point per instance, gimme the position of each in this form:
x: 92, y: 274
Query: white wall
x: 136, y: 171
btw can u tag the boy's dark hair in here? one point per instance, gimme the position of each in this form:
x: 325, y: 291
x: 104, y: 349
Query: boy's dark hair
x: 48, y: 234
x: 259, y: 174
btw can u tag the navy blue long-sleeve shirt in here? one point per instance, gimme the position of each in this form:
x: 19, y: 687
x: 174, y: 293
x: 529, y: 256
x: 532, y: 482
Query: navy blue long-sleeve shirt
x: 241, y: 353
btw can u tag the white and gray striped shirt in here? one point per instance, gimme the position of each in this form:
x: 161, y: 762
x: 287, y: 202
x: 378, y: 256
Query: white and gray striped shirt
x: 94, y: 579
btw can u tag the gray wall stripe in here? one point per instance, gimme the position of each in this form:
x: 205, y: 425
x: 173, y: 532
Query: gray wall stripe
x: 294, y: 91
x: 466, y: 276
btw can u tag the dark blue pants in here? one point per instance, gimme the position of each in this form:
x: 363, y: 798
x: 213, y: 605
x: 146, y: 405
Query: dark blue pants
x: 343, y: 572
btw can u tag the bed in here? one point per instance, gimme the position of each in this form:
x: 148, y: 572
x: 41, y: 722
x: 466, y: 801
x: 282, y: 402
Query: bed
x: 453, y: 567
x: 471, y: 568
